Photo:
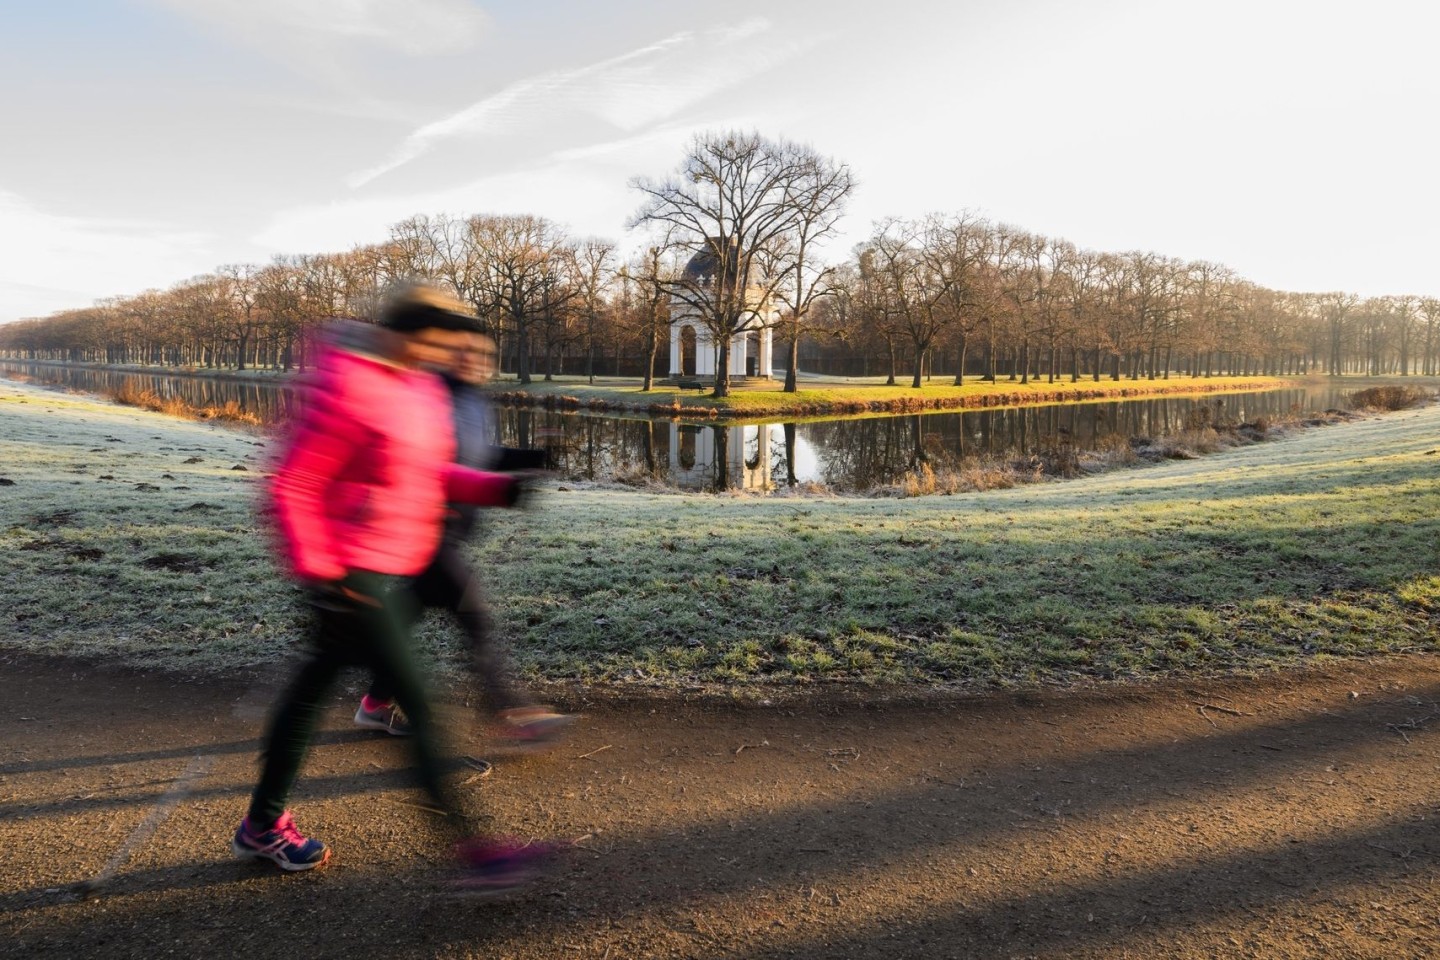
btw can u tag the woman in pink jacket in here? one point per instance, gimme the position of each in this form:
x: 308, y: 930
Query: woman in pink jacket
x: 359, y: 500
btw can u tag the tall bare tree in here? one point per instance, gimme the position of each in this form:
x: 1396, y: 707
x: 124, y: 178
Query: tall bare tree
x: 735, y: 208
x: 518, y: 277
x: 592, y: 270
x: 646, y: 304
x: 821, y: 202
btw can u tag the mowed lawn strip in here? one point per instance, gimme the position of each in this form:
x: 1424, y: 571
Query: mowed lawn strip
x: 1320, y: 545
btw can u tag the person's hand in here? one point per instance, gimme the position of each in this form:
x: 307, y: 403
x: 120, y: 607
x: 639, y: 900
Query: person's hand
x: 522, y: 484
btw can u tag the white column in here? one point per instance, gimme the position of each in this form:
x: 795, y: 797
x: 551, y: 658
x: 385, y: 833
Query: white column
x: 675, y: 367
x: 704, y: 353
x: 739, y: 347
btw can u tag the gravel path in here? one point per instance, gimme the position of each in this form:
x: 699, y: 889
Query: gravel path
x: 1288, y: 816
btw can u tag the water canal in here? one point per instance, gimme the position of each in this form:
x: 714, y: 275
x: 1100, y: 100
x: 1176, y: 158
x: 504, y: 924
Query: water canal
x: 854, y: 454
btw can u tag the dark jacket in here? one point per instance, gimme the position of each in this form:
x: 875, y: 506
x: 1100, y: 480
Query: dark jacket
x: 477, y: 447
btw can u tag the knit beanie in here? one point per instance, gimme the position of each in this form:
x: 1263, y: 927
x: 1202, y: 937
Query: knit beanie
x: 419, y: 306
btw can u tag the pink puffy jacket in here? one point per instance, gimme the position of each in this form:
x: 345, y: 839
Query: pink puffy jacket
x: 368, y: 471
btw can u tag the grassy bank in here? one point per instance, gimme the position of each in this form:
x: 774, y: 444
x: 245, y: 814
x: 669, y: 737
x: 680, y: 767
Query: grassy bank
x: 833, y: 398
x: 129, y: 535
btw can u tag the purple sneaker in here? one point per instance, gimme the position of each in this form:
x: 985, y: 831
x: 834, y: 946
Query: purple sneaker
x: 492, y: 867
x: 282, y: 844
x: 529, y: 729
x: 388, y: 717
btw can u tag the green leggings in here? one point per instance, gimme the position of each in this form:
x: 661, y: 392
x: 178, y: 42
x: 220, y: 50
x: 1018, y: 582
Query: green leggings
x: 375, y: 636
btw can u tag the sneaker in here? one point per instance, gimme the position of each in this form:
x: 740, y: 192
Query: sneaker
x: 388, y: 717
x: 530, y: 728
x: 286, y: 846
x: 494, y: 867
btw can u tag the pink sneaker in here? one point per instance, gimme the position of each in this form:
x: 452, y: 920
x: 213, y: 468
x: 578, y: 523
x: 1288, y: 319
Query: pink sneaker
x: 283, y: 844
x: 492, y: 867
x: 386, y: 716
x: 526, y: 729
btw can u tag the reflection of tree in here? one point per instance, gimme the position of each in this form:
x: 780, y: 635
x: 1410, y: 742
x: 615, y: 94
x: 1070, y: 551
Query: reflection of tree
x: 647, y: 444
x: 917, y: 439
x: 688, y: 436
x: 789, y: 457
x: 752, y: 447
x: 590, y: 448
x: 722, y: 457
x: 859, y: 454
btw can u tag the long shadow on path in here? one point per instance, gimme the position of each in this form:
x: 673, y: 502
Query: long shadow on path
x: 977, y: 830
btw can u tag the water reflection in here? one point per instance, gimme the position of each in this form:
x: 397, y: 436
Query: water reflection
x: 851, y: 455
x: 845, y: 455
x: 269, y: 400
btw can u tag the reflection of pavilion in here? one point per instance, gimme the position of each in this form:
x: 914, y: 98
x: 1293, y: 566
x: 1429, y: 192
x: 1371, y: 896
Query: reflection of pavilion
x: 706, y: 456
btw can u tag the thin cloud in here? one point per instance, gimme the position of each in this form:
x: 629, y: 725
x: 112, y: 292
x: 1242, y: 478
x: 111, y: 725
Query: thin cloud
x: 582, y: 189
x: 51, y: 261
x: 416, y: 27
x: 628, y: 92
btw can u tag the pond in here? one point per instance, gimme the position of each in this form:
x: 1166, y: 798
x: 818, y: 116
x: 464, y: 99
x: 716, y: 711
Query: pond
x: 845, y: 454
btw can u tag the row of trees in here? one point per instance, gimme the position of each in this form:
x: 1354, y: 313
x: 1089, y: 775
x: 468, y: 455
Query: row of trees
x: 732, y: 241
x: 987, y: 299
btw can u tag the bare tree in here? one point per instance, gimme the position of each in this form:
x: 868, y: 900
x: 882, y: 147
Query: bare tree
x: 645, y: 310
x: 919, y: 273
x: 1336, y: 310
x: 821, y: 203
x: 517, y: 276
x: 242, y: 286
x: 1430, y: 313
x: 736, y: 207
x: 592, y: 271
x: 876, y: 313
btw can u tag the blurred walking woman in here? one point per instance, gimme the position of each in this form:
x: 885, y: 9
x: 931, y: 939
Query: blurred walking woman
x: 359, y: 500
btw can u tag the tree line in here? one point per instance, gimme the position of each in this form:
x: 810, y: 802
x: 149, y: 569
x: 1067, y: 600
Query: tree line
x: 732, y: 239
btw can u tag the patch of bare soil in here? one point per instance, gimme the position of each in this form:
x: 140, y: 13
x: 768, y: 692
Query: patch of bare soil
x: 1291, y: 816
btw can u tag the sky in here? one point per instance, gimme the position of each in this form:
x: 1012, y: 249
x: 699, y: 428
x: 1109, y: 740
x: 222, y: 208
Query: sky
x: 143, y: 142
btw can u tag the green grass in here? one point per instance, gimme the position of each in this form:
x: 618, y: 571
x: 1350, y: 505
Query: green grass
x: 1318, y: 546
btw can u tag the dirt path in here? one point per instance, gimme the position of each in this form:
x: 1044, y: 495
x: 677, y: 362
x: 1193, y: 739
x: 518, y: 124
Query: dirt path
x: 1295, y: 816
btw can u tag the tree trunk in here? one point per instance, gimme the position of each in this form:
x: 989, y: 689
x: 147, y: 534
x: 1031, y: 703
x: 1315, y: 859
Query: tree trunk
x: 722, y: 370
x: 653, y: 348
x: 790, y: 386
x: 522, y: 351
x: 790, y: 478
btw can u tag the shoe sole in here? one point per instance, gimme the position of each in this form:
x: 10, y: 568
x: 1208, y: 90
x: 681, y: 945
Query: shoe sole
x: 479, y: 769
x: 365, y: 723
x: 503, y: 744
x: 245, y: 853
x: 516, y: 883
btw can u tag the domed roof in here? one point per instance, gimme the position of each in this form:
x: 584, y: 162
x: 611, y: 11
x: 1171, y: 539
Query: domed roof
x: 702, y: 266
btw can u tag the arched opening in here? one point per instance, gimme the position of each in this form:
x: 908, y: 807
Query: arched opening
x: 687, y: 351
x: 752, y: 354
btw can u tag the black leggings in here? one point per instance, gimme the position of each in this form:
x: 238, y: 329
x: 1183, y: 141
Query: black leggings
x: 351, y: 633
x: 448, y: 584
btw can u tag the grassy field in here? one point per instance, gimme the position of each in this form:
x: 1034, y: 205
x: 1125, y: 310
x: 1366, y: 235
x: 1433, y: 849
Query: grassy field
x: 131, y: 536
